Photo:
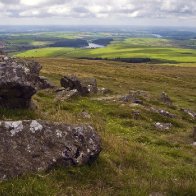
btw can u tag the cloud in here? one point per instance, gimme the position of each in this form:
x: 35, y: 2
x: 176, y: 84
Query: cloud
x: 110, y: 9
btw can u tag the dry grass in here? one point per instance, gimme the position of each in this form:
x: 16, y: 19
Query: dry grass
x: 136, y: 158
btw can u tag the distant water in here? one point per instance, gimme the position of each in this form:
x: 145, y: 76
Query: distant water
x: 157, y: 35
x: 92, y: 45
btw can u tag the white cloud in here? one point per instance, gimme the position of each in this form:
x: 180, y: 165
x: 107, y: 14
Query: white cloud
x: 117, y: 10
x: 58, y: 10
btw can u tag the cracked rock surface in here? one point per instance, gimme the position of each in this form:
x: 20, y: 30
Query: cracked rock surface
x: 34, y: 145
x: 19, y: 81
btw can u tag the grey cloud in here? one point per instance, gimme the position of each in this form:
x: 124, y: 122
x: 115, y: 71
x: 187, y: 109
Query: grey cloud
x: 117, y: 9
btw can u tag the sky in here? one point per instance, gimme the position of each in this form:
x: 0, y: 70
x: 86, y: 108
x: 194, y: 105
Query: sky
x: 98, y: 12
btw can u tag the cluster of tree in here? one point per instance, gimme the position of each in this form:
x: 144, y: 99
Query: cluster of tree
x: 103, y: 41
x: 127, y: 60
x: 76, y: 43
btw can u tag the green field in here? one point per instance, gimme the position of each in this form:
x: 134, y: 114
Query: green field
x: 137, y: 159
x: 158, y: 49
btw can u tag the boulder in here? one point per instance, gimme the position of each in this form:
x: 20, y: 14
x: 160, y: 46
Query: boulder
x: 72, y: 83
x: 84, y: 86
x: 44, y: 83
x: 91, y: 84
x: 19, y: 81
x: 34, y: 145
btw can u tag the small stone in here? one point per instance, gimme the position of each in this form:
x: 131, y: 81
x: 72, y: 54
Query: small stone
x: 192, y: 114
x: 104, y: 91
x: 166, y: 99
x: 35, y: 126
x: 86, y: 115
x: 6, y: 58
x: 163, y: 126
x: 67, y: 95
x: 133, y: 96
x: 60, y: 89
x: 162, y: 112
x: 136, y: 115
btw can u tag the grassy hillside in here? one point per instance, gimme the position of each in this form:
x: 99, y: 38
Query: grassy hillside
x: 159, y: 49
x: 136, y: 159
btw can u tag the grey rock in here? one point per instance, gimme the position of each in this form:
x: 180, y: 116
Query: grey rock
x: 32, y: 146
x: 90, y: 83
x: 162, y: 112
x: 67, y: 94
x: 44, y: 83
x: 192, y: 114
x: 166, y: 99
x: 19, y: 81
x: 57, y: 90
x: 84, y: 86
x: 72, y: 83
x: 86, y: 115
x: 163, y: 126
x: 133, y: 96
x: 104, y: 91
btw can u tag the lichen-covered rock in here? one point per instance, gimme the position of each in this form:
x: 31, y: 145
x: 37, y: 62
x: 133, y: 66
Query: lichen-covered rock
x: 31, y: 146
x: 84, y: 86
x: 19, y: 81
x: 72, y: 83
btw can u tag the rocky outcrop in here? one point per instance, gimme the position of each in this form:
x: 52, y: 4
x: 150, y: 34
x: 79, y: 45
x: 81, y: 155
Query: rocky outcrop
x: 73, y: 83
x: 31, y: 146
x: 84, y: 86
x: 19, y: 81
